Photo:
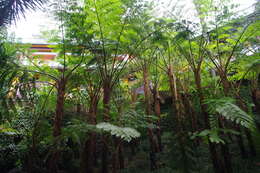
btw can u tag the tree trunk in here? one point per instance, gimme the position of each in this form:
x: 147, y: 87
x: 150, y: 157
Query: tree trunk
x: 176, y: 105
x: 148, y: 110
x: 250, y: 143
x: 217, y: 164
x: 248, y: 133
x: 157, y: 110
x: 256, y: 99
x: 88, y: 154
x: 106, y: 111
x: 225, y: 83
x: 190, y: 111
x: 121, y: 157
x: 78, y: 109
x: 106, y: 100
x: 225, y: 151
x: 115, y: 156
x: 87, y: 160
x: 55, y: 156
x: 241, y: 143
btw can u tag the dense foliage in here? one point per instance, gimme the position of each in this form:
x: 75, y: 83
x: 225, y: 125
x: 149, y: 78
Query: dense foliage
x: 132, y: 92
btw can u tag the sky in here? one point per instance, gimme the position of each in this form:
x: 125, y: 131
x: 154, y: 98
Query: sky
x: 29, y: 29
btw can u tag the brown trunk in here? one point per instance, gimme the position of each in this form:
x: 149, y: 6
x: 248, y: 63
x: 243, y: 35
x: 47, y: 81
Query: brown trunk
x: 106, y: 100
x: 256, y: 99
x: 190, y: 111
x: 225, y: 83
x: 121, y: 158
x: 133, y: 98
x: 88, y: 154
x: 250, y: 143
x: 78, y: 109
x: 105, y: 157
x: 225, y: 151
x: 30, y: 162
x: 225, y: 148
x: 115, y: 156
x: 248, y: 133
x: 188, y: 107
x: 157, y: 110
x: 59, y: 108
x: 106, y: 111
x: 176, y: 105
x: 148, y: 110
x: 217, y: 165
x: 241, y: 143
x: 87, y: 160
x: 147, y: 92
x: 227, y: 158
x: 54, y: 159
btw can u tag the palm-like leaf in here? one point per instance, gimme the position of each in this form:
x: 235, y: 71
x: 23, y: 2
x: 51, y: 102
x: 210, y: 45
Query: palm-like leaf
x: 11, y: 10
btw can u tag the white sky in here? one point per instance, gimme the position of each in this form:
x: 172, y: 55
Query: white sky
x: 28, y: 29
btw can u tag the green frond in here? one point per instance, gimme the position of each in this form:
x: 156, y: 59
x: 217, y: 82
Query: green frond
x: 124, y: 133
x: 235, y: 114
x: 212, y: 135
x: 213, y: 121
x: 226, y: 108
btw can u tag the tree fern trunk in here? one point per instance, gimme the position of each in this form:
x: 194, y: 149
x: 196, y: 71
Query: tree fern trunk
x: 217, y: 164
x: 175, y: 98
x: 115, y: 156
x: 250, y: 143
x: 190, y: 111
x: 55, y: 156
x: 106, y: 111
x: 121, y: 157
x: 157, y: 110
x: 227, y: 91
x: 241, y: 143
x: 256, y: 100
x: 148, y: 110
x: 88, y: 154
x: 225, y: 151
x: 247, y: 132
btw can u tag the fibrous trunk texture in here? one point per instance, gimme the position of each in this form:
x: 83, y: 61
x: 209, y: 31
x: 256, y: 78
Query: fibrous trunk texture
x: 106, y: 111
x: 89, y: 149
x: 55, y: 156
x: 148, y: 110
x: 217, y: 164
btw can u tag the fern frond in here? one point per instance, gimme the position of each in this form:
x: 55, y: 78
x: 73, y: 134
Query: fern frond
x: 212, y: 135
x: 226, y: 108
x: 124, y: 133
x: 232, y: 112
x: 213, y: 121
